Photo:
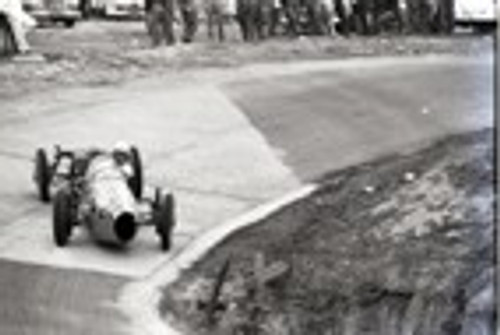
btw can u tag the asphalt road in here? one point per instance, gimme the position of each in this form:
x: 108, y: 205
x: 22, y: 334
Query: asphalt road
x: 37, y: 300
x: 222, y: 149
x: 323, y: 120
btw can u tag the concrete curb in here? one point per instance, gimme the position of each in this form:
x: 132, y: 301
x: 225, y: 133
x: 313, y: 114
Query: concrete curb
x: 140, y: 299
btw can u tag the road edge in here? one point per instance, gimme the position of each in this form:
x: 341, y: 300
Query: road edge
x: 37, y: 104
x: 140, y: 300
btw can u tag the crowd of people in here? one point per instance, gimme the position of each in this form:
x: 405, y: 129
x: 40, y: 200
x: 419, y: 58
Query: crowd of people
x: 260, y: 19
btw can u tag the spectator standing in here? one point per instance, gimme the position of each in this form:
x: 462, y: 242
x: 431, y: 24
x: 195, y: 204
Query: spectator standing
x: 160, y: 21
x: 264, y: 18
x: 445, y: 16
x: 215, y: 11
x: 248, y: 16
x: 189, y: 15
x: 275, y: 17
x: 19, y: 22
x: 420, y: 12
x: 292, y: 14
x: 342, y: 9
x: 7, y: 43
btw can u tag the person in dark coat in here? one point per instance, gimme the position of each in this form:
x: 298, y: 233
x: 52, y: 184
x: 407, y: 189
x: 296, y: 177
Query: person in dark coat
x: 342, y: 25
x: 241, y: 18
x: 248, y: 12
x: 292, y: 9
x: 7, y: 42
x: 160, y: 21
x: 317, y: 17
x: 189, y: 15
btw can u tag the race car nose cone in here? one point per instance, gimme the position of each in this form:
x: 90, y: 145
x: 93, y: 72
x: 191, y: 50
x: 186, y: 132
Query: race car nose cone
x: 125, y: 227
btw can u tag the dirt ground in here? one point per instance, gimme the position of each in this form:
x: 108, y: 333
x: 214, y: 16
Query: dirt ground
x: 400, y: 245
x: 98, y: 53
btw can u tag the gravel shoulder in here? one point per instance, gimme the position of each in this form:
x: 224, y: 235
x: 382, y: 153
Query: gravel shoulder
x: 98, y: 53
x: 399, y: 245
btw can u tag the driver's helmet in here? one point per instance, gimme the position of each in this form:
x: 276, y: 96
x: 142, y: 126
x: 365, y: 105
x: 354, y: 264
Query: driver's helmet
x: 121, y: 152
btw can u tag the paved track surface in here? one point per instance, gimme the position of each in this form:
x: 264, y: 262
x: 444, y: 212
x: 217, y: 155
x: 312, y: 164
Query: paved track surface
x: 37, y: 300
x: 222, y: 149
x: 323, y: 120
x: 193, y: 142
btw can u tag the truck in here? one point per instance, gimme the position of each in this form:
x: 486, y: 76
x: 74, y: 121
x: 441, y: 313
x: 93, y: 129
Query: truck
x: 481, y: 15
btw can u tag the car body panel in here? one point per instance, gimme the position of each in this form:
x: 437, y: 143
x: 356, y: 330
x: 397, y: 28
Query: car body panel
x: 44, y: 11
x: 475, y: 11
x: 120, y: 8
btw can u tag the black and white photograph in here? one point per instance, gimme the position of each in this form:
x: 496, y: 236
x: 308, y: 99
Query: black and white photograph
x: 249, y: 167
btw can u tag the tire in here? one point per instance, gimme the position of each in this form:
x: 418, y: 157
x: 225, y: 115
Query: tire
x: 484, y: 28
x: 42, y: 175
x: 165, y: 221
x: 69, y: 23
x: 62, y: 218
x: 135, y: 182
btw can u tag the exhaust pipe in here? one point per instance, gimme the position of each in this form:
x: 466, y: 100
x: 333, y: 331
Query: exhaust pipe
x: 120, y: 229
x: 125, y: 227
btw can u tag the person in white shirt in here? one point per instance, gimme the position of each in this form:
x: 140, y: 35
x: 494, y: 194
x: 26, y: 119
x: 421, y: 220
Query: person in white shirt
x: 19, y: 22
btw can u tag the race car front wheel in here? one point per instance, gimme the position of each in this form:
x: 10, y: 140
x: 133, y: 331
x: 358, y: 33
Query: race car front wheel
x: 42, y: 175
x: 62, y: 217
x: 165, y: 221
x: 135, y: 182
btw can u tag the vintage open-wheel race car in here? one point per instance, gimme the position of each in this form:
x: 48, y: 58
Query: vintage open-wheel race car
x: 102, y: 191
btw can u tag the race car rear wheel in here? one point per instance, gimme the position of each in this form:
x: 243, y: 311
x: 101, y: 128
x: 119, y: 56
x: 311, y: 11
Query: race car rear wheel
x: 165, y: 221
x: 42, y: 175
x: 62, y: 217
x: 135, y: 182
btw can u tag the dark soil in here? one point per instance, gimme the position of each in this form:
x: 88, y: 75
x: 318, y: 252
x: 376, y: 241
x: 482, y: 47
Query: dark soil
x: 400, y: 245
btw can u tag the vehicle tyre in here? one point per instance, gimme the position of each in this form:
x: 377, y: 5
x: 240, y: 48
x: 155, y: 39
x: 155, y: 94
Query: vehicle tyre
x: 42, y: 175
x: 69, y: 23
x: 165, y: 221
x: 135, y: 182
x: 62, y: 217
x: 483, y: 28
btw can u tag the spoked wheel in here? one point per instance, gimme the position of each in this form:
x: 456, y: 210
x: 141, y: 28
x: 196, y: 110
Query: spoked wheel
x: 135, y: 182
x: 62, y: 217
x: 165, y: 221
x: 42, y: 175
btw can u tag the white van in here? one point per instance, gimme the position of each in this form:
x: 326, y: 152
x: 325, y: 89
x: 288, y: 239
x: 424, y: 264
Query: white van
x: 480, y: 14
